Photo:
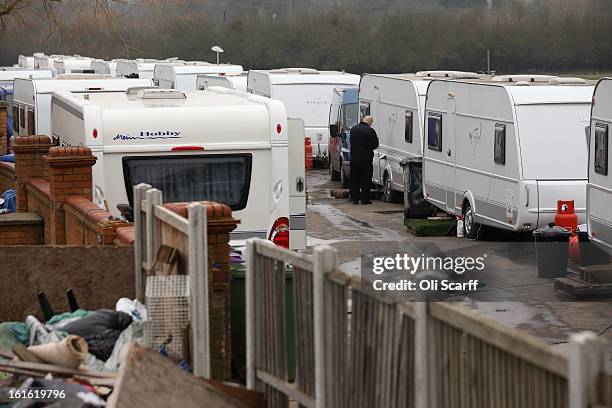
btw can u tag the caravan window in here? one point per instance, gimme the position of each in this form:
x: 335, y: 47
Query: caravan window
x: 601, y: 149
x: 434, y: 131
x: 499, y: 150
x: 364, y: 109
x: 31, y: 128
x: 22, y: 123
x: 349, y: 115
x: 221, y: 178
x: 408, y: 125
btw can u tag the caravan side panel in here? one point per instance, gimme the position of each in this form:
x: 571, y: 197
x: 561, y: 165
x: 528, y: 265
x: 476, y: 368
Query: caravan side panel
x: 599, y: 188
x: 460, y: 165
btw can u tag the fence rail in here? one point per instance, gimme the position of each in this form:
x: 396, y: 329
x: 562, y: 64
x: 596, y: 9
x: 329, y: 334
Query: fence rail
x: 359, y: 349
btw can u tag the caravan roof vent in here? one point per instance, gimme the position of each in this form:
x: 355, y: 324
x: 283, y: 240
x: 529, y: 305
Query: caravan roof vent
x: 567, y: 81
x: 161, y: 94
x: 296, y: 71
x: 135, y: 89
x: 522, y: 83
x: 448, y: 74
x: 523, y: 78
x: 81, y: 76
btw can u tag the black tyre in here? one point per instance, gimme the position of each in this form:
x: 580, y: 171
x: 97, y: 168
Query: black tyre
x: 346, y: 181
x: 389, y: 195
x: 470, y: 227
x: 335, y: 175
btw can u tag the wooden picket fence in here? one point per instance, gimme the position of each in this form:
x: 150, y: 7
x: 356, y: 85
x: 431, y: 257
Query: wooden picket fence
x: 359, y: 349
x: 155, y: 226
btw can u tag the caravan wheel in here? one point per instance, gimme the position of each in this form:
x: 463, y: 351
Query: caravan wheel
x: 469, y: 222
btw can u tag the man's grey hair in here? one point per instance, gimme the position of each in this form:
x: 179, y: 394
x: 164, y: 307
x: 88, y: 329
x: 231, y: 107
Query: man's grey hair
x: 369, y: 120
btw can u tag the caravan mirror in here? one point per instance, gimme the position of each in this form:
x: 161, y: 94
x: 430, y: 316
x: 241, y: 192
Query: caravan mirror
x: 333, y: 130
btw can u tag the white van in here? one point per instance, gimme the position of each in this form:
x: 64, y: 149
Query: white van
x: 32, y: 97
x: 183, y: 77
x: 599, y: 188
x: 103, y: 67
x: 140, y: 67
x: 502, y: 152
x: 73, y: 65
x: 218, y: 144
x: 237, y: 81
x: 306, y: 93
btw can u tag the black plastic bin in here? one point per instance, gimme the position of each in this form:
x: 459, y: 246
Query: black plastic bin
x: 552, y: 249
x: 415, y: 205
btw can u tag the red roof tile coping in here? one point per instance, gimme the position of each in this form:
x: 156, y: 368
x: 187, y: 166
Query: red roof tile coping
x: 125, y: 235
x: 213, y: 209
x: 69, y: 151
x: 86, y: 207
x: 31, y: 140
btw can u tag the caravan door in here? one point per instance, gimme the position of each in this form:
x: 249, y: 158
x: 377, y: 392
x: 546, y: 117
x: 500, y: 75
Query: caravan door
x: 297, y: 184
x: 451, y: 156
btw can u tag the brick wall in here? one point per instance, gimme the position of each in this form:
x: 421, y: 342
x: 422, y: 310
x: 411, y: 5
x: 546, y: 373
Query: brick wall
x: 29, y: 164
x: 220, y: 224
x: 38, y: 202
x: 7, y: 176
x: 21, y: 229
x: 88, y: 224
x: 3, y: 128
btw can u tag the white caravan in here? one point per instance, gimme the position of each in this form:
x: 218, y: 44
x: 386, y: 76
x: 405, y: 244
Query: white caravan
x: 32, y: 97
x: 27, y: 61
x: 140, y: 67
x: 397, y: 104
x: 219, y: 144
x: 599, y: 188
x: 502, y: 152
x: 183, y: 77
x: 307, y: 95
x: 102, y: 67
x: 237, y: 81
x: 73, y: 65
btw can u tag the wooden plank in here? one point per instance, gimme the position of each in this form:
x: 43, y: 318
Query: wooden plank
x: 250, y: 313
x: 269, y: 250
x: 24, y: 354
x: 286, y: 388
x: 198, y: 279
x: 139, y: 239
x: 146, y: 379
x: 508, y: 339
x: 51, y: 368
x: 171, y: 218
x: 154, y: 197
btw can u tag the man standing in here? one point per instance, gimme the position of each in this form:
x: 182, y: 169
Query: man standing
x: 363, y: 142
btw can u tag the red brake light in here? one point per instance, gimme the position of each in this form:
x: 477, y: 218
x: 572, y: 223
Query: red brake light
x: 94, y: 133
x: 279, y: 234
x: 186, y: 148
x: 279, y: 128
x: 307, y: 141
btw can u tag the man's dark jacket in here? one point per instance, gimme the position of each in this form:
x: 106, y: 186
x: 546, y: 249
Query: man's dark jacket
x: 363, y: 142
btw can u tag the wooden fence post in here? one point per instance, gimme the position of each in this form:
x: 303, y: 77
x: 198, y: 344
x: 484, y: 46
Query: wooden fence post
x: 421, y: 358
x: 251, y: 373
x: 139, y: 238
x: 324, y: 261
x: 154, y: 197
x: 198, y: 282
x: 586, y: 358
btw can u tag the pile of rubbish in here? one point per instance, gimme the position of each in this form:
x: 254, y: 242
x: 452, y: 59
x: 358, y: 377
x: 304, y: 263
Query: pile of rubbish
x: 76, y: 354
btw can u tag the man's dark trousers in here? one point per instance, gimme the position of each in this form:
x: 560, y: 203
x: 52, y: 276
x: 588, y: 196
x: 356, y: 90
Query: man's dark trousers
x: 361, y: 180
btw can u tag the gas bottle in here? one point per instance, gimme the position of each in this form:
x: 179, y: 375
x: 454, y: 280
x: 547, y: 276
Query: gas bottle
x: 459, y: 227
x: 566, y: 218
x: 308, y: 153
